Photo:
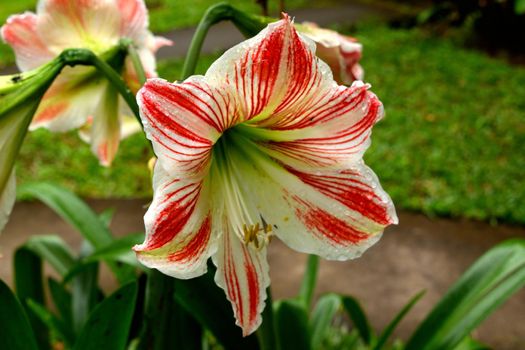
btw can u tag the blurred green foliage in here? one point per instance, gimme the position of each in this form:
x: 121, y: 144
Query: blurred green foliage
x: 453, y: 137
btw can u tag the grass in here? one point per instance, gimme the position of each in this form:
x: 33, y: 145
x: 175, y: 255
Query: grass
x: 451, y: 144
x: 165, y: 15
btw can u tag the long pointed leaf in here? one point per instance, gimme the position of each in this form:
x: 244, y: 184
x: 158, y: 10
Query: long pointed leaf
x: 387, y: 332
x: 62, y: 299
x: 15, y: 330
x: 358, y: 317
x: 322, y: 317
x: 29, y: 284
x: 73, y: 210
x: 53, y: 250
x: 58, y: 326
x: 490, y: 281
x: 85, y: 292
x: 291, y: 324
x: 109, y: 323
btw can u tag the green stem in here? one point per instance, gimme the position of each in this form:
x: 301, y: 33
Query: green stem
x: 266, y: 332
x: 159, y: 308
x: 82, y: 56
x: 309, y: 280
x: 137, y: 63
x: 249, y: 25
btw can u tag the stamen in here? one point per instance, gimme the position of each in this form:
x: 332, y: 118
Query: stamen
x: 260, y: 237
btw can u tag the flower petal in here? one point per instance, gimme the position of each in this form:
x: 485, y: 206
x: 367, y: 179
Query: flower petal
x: 342, y: 53
x: 178, y: 227
x: 20, y: 33
x: 336, y: 214
x: 133, y: 19
x: 7, y: 200
x: 71, y: 99
x: 183, y: 121
x: 93, y: 24
x: 242, y: 271
x: 269, y: 72
x: 333, y: 130
x: 105, y: 131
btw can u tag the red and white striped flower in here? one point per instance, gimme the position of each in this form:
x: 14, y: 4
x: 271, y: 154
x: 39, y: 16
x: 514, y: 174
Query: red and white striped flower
x: 80, y: 95
x: 342, y: 53
x: 265, y: 144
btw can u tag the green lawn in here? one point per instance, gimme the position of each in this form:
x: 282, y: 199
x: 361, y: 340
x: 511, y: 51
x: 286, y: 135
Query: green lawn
x: 451, y: 144
x: 165, y: 15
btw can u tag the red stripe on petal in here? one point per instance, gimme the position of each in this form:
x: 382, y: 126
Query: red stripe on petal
x: 232, y: 281
x: 326, y: 225
x: 196, y: 245
x: 50, y: 112
x: 253, y: 289
x: 173, y: 217
x: 158, y: 116
x: 350, y: 191
x: 264, y: 61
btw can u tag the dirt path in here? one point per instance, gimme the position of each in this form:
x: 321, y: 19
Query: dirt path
x: 418, y: 254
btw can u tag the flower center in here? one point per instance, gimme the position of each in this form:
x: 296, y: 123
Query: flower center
x: 259, y: 236
x: 232, y: 175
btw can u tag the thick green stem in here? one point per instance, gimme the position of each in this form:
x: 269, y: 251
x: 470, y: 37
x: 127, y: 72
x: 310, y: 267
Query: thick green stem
x: 306, y: 292
x: 266, y: 332
x: 249, y: 25
x: 159, y: 308
x: 82, y: 56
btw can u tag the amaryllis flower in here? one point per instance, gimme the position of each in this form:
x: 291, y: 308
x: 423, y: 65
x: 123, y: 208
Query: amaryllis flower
x: 265, y: 145
x: 80, y: 95
x: 342, y: 53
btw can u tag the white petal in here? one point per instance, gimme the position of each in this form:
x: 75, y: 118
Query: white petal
x: 178, y: 223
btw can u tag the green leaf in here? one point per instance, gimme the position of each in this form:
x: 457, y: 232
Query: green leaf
x: 15, y: 330
x: 174, y: 326
x: 306, y: 292
x: 106, y: 216
x: 291, y: 324
x: 387, y: 332
x: 55, y: 324
x: 118, y: 250
x: 519, y: 7
x: 207, y: 303
x: 108, y: 325
x: 490, y: 281
x: 358, y: 317
x: 73, y: 210
x: 85, y: 292
x: 29, y: 285
x: 322, y: 317
x: 62, y: 299
x: 53, y: 250
x: 470, y: 344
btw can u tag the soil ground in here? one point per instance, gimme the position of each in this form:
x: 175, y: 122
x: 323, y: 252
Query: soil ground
x: 418, y: 254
